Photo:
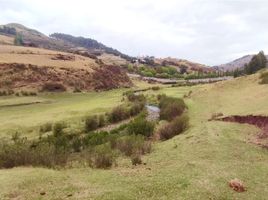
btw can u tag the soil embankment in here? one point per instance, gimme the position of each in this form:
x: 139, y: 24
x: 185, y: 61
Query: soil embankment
x: 259, y: 121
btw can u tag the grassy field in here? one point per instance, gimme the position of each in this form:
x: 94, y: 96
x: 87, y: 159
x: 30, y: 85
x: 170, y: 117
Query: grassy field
x: 42, y: 57
x: 16, y: 115
x: 197, y: 164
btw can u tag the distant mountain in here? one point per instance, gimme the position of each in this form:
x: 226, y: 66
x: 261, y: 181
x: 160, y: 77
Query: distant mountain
x: 91, y: 48
x: 89, y: 44
x: 235, y: 64
x: 58, y: 41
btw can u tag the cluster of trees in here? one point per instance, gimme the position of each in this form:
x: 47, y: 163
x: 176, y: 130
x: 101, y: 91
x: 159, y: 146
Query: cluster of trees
x: 155, y: 71
x: 258, y: 62
x: 200, y: 75
x: 8, y: 30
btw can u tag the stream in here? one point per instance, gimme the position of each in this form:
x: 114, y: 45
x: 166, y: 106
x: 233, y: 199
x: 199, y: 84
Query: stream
x: 153, y: 112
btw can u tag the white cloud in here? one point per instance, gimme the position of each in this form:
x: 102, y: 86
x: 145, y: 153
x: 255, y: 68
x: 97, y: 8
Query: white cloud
x: 206, y: 31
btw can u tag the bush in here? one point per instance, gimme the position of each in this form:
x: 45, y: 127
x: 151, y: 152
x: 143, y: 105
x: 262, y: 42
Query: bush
x: 45, y: 128
x: 58, y: 129
x: 136, y: 159
x: 175, y: 127
x: 102, y: 120
x: 135, y: 97
x: 155, y: 88
x: 91, y: 123
x: 119, y: 113
x: 171, y: 107
x: 136, y: 108
x: 3, y: 93
x: 77, y: 90
x: 53, y: 87
x: 96, y: 138
x: 102, y: 156
x: 141, y: 126
x: 264, y: 78
x: 24, y: 153
x: 132, y: 144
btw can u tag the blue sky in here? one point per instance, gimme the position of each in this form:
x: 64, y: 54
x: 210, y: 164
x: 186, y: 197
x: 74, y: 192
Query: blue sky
x: 207, y: 31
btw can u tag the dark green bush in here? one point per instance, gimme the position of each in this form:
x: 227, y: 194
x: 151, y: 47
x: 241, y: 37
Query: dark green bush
x: 175, y: 127
x: 91, y: 123
x: 141, y: 126
x: 171, y: 107
x: 119, y: 113
x: 96, y: 138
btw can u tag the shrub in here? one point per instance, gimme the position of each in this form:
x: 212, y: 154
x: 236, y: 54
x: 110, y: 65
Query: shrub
x: 136, y: 108
x: 24, y: 153
x: 264, y: 78
x: 175, y: 127
x: 77, y: 90
x: 91, y: 123
x: 24, y: 93
x: 102, y: 120
x: 132, y: 144
x: 171, y: 107
x: 102, y: 156
x: 53, y: 87
x: 77, y: 144
x: 136, y: 159
x: 3, y: 93
x: 119, y: 113
x: 96, y: 138
x: 58, y: 128
x: 155, y: 88
x: 45, y: 128
x: 141, y: 126
x: 135, y: 97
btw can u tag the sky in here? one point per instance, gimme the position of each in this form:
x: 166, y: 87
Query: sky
x: 210, y: 32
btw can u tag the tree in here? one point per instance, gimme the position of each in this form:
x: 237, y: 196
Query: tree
x: 258, y: 62
x: 18, y: 40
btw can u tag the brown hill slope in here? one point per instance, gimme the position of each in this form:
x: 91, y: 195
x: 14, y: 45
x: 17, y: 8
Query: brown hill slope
x: 35, y: 69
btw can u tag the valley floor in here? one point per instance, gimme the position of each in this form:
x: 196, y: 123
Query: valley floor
x: 197, y: 164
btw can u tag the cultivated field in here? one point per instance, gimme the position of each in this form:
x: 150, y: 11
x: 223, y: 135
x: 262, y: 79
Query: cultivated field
x: 197, y: 164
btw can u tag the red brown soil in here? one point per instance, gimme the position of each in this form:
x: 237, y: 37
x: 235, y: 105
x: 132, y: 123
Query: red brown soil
x: 259, y: 121
x: 17, y: 76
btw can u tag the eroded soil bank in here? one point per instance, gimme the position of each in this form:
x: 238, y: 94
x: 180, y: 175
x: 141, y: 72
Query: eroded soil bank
x: 259, y: 121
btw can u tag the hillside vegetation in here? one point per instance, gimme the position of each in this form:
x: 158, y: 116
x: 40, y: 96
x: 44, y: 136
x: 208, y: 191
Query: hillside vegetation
x: 27, y: 68
x: 197, y: 164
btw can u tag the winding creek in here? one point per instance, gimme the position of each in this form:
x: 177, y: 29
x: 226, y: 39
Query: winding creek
x: 153, y: 112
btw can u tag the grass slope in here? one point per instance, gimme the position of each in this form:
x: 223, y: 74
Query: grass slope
x: 195, y: 165
x: 16, y: 116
